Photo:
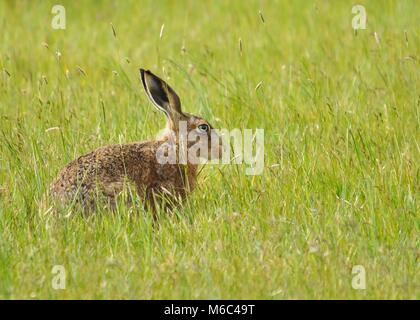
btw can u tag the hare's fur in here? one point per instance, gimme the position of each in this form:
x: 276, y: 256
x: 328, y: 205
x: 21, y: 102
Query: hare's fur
x: 104, y: 173
x: 109, y: 169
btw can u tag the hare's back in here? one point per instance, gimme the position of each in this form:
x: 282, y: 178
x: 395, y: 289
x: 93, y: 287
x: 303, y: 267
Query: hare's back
x: 106, y: 166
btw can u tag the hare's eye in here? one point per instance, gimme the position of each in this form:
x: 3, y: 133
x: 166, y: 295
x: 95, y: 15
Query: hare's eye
x: 203, y: 127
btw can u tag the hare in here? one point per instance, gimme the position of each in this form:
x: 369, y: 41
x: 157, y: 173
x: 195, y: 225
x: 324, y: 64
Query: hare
x: 103, y: 174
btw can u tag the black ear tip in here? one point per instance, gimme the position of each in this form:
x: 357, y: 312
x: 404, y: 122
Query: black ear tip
x: 142, y: 71
x: 142, y: 76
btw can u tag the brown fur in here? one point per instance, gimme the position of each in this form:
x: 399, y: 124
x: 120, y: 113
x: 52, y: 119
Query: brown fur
x: 109, y: 169
x: 103, y: 174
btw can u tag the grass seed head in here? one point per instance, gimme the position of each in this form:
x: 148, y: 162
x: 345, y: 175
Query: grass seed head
x: 261, y: 16
x: 161, y: 31
x: 113, y: 31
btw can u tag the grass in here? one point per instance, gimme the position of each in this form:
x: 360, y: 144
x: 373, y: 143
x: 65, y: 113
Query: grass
x: 341, y: 114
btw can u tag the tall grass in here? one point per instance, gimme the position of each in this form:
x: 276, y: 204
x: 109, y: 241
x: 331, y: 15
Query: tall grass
x: 341, y: 117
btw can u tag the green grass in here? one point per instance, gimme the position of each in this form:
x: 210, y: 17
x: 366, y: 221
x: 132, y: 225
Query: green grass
x: 341, y: 114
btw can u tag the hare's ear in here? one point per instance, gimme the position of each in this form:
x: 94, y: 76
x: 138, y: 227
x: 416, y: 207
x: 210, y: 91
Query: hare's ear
x: 161, y: 94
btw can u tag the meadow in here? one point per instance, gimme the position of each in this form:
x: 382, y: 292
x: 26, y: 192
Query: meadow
x: 340, y: 110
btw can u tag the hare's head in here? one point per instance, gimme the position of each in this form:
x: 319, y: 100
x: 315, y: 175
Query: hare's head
x: 201, y: 138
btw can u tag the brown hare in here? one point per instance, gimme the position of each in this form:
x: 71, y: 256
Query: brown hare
x: 103, y: 174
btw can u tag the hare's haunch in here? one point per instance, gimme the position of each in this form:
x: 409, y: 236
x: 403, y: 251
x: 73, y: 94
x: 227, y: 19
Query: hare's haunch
x: 106, y: 172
